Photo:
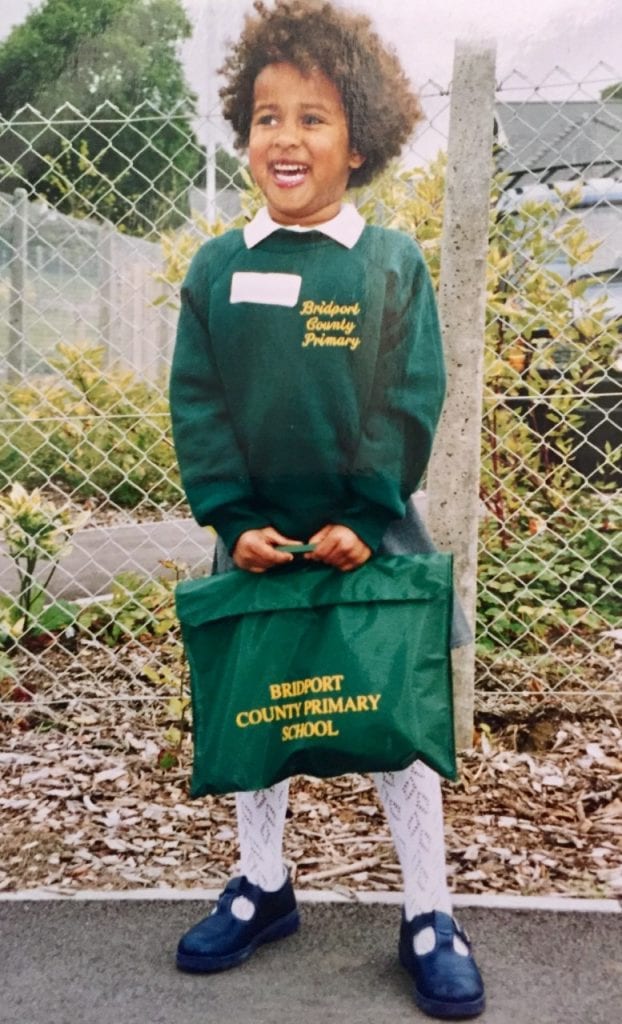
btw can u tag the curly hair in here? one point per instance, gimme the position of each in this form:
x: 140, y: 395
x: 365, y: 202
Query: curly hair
x: 380, y: 106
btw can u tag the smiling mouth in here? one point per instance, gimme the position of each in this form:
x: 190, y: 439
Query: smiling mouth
x: 287, y: 175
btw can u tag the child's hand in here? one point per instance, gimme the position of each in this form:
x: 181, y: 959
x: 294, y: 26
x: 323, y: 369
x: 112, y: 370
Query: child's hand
x: 339, y: 546
x: 255, y: 549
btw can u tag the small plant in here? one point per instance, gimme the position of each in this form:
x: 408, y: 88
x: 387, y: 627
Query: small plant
x: 141, y: 609
x: 138, y: 607
x: 172, y: 675
x: 34, y: 531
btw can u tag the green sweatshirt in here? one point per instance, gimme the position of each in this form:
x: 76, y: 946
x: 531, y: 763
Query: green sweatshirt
x: 310, y: 394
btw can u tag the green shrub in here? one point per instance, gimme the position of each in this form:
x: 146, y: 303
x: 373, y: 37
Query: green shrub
x: 91, y: 431
x: 549, y: 576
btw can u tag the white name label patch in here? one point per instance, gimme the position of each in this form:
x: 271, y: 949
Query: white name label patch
x: 268, y: 289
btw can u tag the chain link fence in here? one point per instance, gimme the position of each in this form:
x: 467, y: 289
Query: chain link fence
x: 96, y: 228
x: 552, y: 417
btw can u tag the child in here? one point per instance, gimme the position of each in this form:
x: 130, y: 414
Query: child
x: 306, y: 386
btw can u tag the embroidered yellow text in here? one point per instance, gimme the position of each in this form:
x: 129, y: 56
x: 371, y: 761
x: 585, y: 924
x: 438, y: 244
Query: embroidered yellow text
x: 309, y: 717
x: 330, y: 333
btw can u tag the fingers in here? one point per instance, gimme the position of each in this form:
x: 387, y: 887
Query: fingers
x: 274, y: 537
x: 318, y: 537
x: 324, y: 543
x: 340, y: 547
x: 255, y: 550
x: 336, y: 545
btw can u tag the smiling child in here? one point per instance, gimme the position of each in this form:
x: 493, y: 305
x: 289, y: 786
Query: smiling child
x: 306, y: 387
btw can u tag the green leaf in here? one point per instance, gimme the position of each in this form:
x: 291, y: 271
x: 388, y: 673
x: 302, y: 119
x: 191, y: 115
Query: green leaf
x: 57, y: 616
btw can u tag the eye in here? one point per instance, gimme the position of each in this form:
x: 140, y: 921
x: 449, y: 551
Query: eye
x: 312, y: 119
x: 266, y: 119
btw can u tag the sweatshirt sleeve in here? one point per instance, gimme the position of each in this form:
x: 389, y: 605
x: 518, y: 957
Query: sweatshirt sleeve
x: 212, y: 467
x: 407, y: 397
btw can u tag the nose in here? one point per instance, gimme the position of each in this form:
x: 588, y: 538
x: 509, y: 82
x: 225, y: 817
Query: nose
x: 288, y: 133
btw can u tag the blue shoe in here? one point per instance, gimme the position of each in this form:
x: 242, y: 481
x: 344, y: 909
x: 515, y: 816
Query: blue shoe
x: 222, y: 940
x: 447, y: 983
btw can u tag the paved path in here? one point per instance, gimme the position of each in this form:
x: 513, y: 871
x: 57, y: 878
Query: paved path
x: 112, y: 963
x: 98, y: 554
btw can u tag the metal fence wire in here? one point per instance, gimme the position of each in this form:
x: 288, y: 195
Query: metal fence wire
x: 97, y: 224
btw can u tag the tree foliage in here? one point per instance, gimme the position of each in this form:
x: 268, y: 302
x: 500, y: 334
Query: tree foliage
x: 107, y: 76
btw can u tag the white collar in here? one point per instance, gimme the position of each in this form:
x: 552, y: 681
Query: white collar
x: 346, y: 227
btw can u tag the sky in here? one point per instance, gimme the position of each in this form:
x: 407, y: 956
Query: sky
x: 533, y: 33
x: 532, y: 37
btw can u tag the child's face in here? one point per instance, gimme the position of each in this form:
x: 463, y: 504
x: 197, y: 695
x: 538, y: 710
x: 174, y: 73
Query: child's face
x: 299, y: 150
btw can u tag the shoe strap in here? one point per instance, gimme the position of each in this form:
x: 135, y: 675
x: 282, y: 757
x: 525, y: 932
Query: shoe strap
x: 239, y: 886
x: 229, y: 893
x: 445, y: 927
x: 446, y: 930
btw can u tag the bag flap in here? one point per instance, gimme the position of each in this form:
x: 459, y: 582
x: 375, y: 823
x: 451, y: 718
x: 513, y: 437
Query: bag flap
x: 386, y: 578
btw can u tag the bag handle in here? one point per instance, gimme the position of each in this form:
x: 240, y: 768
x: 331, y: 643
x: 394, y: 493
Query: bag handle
x: 295, y: 549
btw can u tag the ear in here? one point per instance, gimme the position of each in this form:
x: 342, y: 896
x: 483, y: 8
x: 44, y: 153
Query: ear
x: 356, y: 160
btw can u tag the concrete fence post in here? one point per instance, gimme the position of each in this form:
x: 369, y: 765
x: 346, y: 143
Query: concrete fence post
x: 166, y: 325
x: 453, y: 476
x: 107, y: 288
x: 216, y: 18
x: 16, y: 355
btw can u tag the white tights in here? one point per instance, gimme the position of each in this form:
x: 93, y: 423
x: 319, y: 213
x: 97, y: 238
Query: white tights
x: 413, y: 805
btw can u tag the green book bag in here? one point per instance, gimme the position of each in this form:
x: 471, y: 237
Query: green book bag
x: 308, y: 670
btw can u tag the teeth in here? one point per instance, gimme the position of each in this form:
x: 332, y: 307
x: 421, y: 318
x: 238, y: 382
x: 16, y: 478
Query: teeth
x: 288, y: 175
x: 290, y: 168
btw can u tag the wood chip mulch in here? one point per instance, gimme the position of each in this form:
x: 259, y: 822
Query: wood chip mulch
x: 84, y: 805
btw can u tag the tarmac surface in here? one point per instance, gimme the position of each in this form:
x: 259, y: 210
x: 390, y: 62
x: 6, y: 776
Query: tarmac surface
x: 112, y: 962
x: 99, y: 553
